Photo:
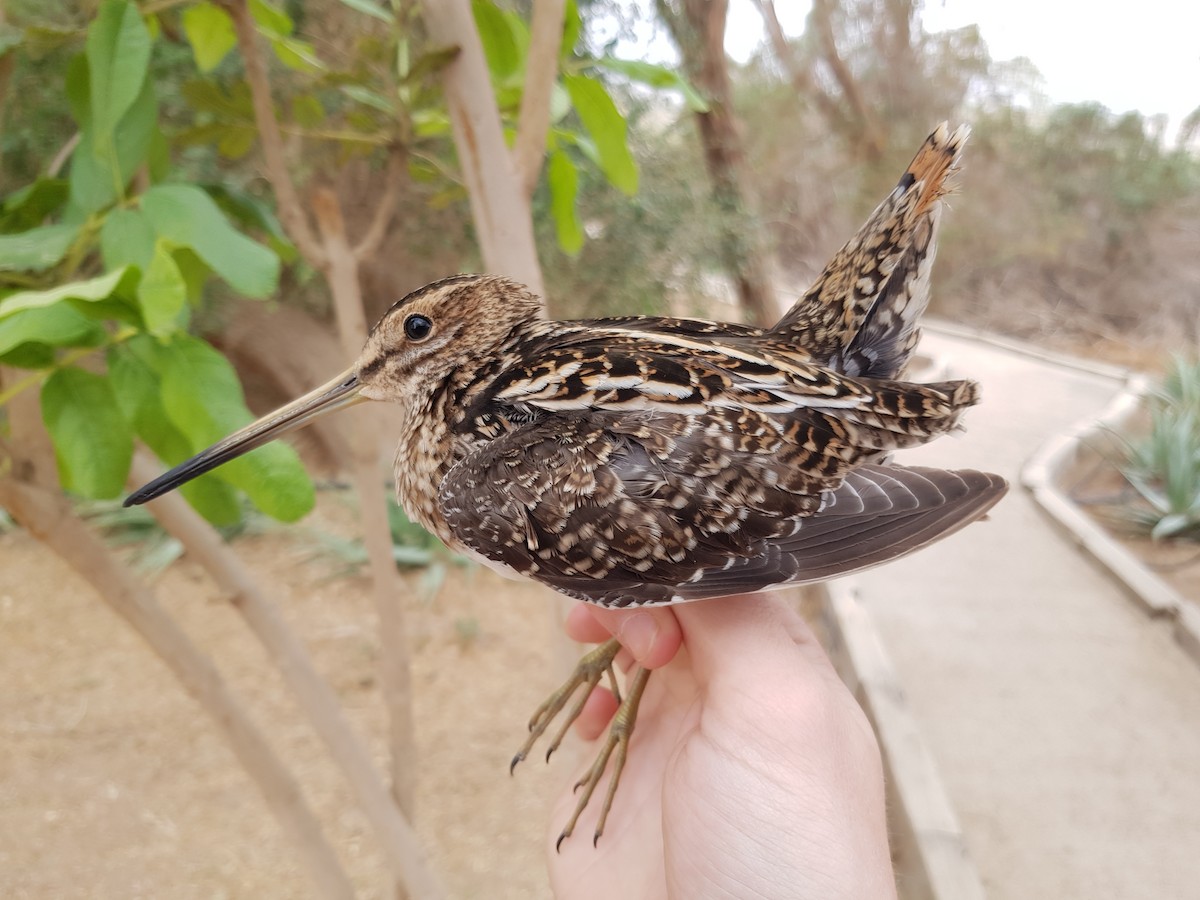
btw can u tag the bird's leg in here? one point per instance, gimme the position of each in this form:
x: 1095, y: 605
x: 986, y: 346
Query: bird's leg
x: 618, y: 739
x: 589, y: 671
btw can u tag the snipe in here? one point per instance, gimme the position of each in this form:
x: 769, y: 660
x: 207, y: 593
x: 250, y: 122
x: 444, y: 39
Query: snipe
x: 637, y: 461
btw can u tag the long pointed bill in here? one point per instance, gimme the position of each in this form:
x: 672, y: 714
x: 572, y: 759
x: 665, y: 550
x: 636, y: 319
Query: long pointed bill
x: 342, y: 391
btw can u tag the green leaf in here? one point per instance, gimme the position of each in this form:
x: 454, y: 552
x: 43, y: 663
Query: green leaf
x: 367, y: 97
x: 28, y: 207
x: 307, y: 111
x: 184, y: 214
x: 118, y: 55
x: 606, y: 126
x: 298, y: 55
x: 430, y: 123
x: 371, y: 8
x: 236, y: 142
x: 210, y: 32
x: 564, y: 184
x: 428, y: 63
x: 51, y: 326
x: 162, y: 292
x: 204, y: 95
x: 126, y: 238
x: 251, y: 212
x: 655, y: 76
x: 273, y: 21
x: 97, y: 180
x: 572, y: 27
x: 158, y: 156
x: 10, y: 38
x: 92, y: 441
x: 195, y: 273
x: 501, y: 42
x: 560, y: 103
x: 92, y: 290
x: 37, y: 249
x: 134, y: 372
x: 204, y: 401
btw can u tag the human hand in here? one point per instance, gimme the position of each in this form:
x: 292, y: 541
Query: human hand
x: 752, y: 772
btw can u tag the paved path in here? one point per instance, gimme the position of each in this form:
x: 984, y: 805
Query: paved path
x: 1065, y: 722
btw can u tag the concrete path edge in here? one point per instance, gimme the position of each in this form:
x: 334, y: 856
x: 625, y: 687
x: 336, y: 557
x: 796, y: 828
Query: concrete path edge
x: 928, y: 842
x: 1043, y: 476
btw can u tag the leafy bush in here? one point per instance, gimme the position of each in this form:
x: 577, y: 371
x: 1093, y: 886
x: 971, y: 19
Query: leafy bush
x: 100, y: 272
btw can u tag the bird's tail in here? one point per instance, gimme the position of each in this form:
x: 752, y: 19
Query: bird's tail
x: 860, y: 316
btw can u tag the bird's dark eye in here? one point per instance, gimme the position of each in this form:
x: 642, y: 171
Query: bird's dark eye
x: 417, y: 328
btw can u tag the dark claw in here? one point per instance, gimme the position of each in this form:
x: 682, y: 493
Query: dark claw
x: 512, y: 766
x: 558, y: 844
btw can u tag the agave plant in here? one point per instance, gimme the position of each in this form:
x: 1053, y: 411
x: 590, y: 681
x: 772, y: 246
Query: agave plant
x: 1164, y: 465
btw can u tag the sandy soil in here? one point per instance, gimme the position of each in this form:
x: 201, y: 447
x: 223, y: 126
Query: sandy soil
x: 113, y: 783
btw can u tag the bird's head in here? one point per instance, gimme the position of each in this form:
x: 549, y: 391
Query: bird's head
x: 436, y: 329
x: 418, y: 343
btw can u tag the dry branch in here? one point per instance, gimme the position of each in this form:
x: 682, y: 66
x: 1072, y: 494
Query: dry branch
x: 798, y: 73
x: 291, y: 213
x: 401, y: 848
x: 869, y: 134
x: 367, y: 470
x: 541, y: 67
x: 385, y: 210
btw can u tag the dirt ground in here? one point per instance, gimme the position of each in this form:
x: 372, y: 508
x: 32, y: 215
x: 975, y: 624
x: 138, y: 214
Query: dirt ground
x: 113, y: 783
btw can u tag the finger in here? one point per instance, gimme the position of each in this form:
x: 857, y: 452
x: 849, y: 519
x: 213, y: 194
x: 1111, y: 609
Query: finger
x: 597, y: 712
x: 624, y: 661
x: 652, y: 635
x: 582, y: 625
x: 747, y: 630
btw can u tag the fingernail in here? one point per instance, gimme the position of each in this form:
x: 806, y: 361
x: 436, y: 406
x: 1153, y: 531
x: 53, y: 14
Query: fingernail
x: 638, y: 633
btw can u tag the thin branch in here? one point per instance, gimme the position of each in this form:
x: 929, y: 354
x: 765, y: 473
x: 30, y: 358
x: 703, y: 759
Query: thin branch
x: 385, y: 210
x: 797, y: 72
x: 291, y: 212
x: 869, y: 132
x: 344, y: 137
x: 367, y: 468
x: 541, y: 67
x: 401, y: 848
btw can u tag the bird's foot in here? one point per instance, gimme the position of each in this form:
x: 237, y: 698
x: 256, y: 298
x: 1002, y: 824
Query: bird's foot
x: 618, y: 740
x: 589, y: 671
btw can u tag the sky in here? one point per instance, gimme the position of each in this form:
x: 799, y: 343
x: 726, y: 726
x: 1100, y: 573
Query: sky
x: 1141, y: 56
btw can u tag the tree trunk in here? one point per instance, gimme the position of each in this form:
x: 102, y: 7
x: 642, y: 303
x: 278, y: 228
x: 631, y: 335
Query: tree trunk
x: 499, y: 205
x: 698, y: 27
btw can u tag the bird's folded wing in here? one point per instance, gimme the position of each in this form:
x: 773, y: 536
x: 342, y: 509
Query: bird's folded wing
x: 613, y: 511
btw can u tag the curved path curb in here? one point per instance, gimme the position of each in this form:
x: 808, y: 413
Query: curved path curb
x: 1042, y: 476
